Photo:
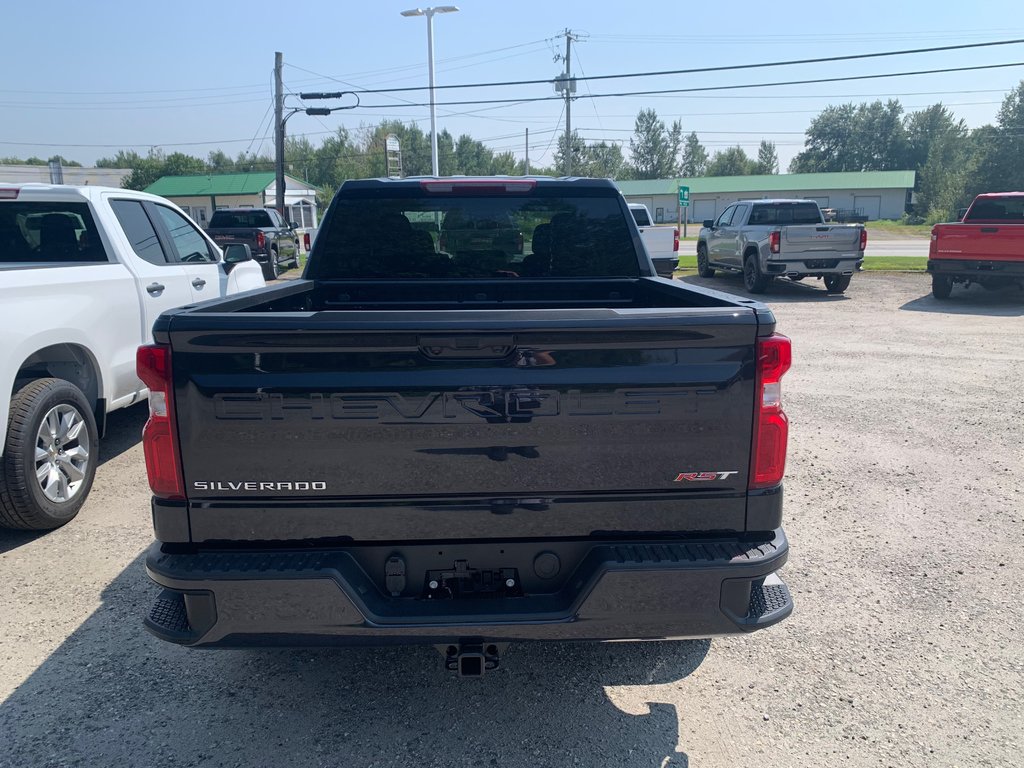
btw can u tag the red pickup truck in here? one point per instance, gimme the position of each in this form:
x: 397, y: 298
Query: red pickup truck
x: 986, y: 247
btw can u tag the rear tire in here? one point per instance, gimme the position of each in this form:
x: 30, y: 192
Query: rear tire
x: 703, y: 268
x: 271, y: 270
x: 942, y: 287
x: 837, y: 283
x: 753, y: 279
x: 50, y: 457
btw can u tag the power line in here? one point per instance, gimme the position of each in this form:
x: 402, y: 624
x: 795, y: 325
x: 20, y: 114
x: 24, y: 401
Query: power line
x: 259, y: 126
x: 838, y: 37
x: 419, y: 66
x: 554, y: 133
x: 673, y: 91
x: 705, y: 70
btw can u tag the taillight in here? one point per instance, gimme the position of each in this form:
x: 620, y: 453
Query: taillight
x: 305, y: 242
x: 863, y: 239
x: 771, y: 428
x: 775, y: 241
x: 261, y: 240
x: 675, y: 240
x: 159, y: 440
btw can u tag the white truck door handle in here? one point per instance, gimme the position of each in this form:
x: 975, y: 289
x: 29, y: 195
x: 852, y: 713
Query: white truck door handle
x: 154, y: 288
x: 198, y: 282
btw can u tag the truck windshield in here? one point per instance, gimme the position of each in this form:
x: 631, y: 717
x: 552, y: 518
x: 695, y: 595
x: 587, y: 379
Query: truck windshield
x: 997, y: 209
x: 48, y: 233
x: 780, y: 214
x: 240, y: 220
x: 412, y: 234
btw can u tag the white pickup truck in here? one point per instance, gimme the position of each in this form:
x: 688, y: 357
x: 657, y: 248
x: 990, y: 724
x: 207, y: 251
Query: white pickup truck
x: 661, y: 242
x: 84, y: 272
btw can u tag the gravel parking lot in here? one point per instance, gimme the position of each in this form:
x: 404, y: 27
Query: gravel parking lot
x: 905, y: 511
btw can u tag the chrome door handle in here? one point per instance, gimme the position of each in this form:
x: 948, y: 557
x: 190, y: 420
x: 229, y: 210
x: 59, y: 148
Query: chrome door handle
x: 154, y: 288
x: 198, y: 282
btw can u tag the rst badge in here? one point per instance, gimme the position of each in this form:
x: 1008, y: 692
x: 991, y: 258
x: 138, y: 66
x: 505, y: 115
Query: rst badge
x: 699, y: 477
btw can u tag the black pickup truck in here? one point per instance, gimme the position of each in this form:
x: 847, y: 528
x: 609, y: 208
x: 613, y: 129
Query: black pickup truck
x: 408, y: 447
x: 273, y: 242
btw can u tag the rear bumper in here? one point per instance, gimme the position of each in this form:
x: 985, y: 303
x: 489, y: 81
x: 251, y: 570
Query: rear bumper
x: 617, y: 591
x: 977, y: 270
x: 665, y: 266
x: 822, y: 266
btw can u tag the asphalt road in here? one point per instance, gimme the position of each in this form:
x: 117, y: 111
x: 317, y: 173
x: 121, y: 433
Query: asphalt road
x: 877, y: 246
x: 905, y: 504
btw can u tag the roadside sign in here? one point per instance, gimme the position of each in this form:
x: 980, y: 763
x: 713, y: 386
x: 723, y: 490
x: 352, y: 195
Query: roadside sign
x: 684, y: 197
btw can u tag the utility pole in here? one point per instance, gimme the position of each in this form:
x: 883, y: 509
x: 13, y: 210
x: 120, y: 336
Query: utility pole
x: 567, y: 85
x: 568, y: 102
x: 279, y: 133
x: 527, y: 168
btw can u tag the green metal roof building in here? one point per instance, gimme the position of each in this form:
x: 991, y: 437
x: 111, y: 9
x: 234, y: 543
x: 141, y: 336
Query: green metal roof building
x: 875, y: 194
x: 201, y: 195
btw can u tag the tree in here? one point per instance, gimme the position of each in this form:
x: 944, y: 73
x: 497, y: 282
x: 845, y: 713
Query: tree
x: 881, y: 137
x: 927, y: 126
x: 145, y: 170
x: 731, y: 162
x: 938, y: 149
x: 39, y: 161
x: 695, y: 158
x: 602, y: 160
x: 218, y: 162
x: 446, y: 162
x: 868, y: 137
x: 472, y: 157
x: 651, y: 147
x: 506, y: 164
x: 605, y: 160
x: 1000, y: 167
x: 579, y: 155
x: 123, y: 159
x: 767, y: 158
x: 828, y: 140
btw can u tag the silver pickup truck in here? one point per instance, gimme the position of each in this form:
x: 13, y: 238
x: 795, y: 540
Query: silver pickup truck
x: 765, y: 239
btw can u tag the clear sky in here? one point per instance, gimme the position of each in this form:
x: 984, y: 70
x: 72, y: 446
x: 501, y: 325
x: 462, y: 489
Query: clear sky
x: 84, y: 79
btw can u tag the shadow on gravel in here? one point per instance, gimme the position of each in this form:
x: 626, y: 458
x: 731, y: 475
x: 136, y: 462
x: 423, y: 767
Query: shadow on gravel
x: 113, y: 695
x: 780, y: 291
x: 10, y: 540
x: 972, y: 301
x: 124, y: 430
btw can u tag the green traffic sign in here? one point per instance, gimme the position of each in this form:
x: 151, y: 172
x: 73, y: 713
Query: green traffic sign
x: 684, y: 196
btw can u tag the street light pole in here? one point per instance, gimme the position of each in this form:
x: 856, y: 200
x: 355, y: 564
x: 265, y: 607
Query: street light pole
x: 429, y: 13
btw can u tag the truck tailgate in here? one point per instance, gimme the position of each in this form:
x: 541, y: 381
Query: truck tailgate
x: 385, y: 432
x: 988, y: 242
x: 821, y: 238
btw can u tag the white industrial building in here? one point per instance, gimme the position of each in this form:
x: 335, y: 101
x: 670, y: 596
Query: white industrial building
x: 873, y: 194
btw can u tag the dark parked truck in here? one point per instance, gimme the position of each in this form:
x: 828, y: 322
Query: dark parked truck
x: 273, y: 241
x: 402, y: 448
x: 986, y: 247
